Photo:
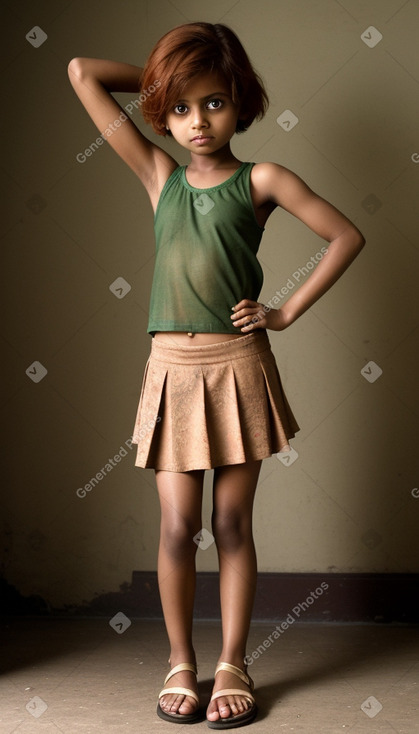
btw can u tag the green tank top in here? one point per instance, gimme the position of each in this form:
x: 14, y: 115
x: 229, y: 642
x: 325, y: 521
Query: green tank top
x: 206, y: 245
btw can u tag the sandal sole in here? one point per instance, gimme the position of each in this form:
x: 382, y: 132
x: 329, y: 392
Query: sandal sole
x: 234, y: 722
x: 194, y: 718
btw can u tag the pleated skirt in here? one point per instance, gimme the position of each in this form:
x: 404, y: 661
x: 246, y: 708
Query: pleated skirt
x: 211, y: 405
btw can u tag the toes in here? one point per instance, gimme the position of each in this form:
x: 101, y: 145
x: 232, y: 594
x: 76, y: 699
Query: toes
x: 186, y: 707
x: 213, y: 711
x: 237, y: 705
x: 226, y: 707
x: 174, y: 708
x: 169, y: 705
x: 223, y: 707
x: 166, y: 704
x: 177, y: 705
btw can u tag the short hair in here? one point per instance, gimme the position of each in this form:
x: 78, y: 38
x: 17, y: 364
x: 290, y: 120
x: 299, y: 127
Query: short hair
x: 192, y: 49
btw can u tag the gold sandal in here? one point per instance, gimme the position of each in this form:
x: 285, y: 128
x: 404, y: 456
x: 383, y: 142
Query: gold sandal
x: 240, y: 719
x: 180, y: 718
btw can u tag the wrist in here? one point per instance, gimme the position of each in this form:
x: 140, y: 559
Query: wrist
x: 294, y: 308
x: 282, y: 319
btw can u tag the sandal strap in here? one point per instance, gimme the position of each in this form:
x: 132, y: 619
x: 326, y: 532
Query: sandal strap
x: 235, y: 671
x: 182, y: 691
x: 233, y: 692
x: 178, y: 668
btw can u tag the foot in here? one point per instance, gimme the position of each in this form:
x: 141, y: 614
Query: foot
x: 228, y: 706
x: 177, y: 703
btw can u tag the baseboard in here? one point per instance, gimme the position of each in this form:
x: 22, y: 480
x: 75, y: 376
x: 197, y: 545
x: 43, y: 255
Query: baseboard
x: 298, y: 597
x: 308, y: 597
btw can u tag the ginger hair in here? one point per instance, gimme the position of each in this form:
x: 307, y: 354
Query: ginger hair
x: 190, y: 50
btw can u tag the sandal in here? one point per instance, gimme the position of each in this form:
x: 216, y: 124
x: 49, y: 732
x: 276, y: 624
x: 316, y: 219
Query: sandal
x: 180, y: 718
x: 240, y: 719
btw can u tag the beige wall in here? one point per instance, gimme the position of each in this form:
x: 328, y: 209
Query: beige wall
x: 71, y: 229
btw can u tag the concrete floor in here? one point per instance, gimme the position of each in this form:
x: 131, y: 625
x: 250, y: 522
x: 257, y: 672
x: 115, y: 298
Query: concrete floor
x: 84, y: 675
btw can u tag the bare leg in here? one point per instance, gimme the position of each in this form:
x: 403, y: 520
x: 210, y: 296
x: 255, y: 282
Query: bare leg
x: 181, y: 506
x: 234, y: 490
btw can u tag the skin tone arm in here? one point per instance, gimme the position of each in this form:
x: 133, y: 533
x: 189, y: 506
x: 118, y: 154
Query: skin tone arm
x: 287, y: 190
x: 93, y: 80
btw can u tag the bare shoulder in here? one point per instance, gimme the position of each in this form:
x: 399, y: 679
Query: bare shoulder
x: 264, y: 171
x: 279, y: 184
x: 286, y: 189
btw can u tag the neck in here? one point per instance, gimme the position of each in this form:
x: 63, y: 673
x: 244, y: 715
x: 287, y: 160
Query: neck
x: 220, y: 159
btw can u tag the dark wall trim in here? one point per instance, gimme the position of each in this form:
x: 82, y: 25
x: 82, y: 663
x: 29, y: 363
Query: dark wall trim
x: 308, y: 597
x: 305, y: 597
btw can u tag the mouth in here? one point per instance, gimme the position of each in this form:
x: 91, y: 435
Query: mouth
x: 201, y: 138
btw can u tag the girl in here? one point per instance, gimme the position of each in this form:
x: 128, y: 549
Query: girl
x: 211, y: 395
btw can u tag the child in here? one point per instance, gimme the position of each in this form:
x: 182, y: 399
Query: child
x: 211, y: 395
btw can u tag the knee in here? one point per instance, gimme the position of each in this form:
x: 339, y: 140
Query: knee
x: 177, y: 538
x: 231, y: 531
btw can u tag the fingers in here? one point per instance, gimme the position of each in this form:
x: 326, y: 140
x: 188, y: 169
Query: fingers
x: 249, y: 315
x: 245, y: 303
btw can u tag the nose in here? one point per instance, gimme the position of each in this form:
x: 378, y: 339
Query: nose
x: 198, y: 119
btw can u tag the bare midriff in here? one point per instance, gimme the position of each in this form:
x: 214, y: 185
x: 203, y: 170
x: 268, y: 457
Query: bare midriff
x: 192, y: 339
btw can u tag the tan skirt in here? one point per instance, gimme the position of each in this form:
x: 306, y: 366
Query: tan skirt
x: 211, y: 405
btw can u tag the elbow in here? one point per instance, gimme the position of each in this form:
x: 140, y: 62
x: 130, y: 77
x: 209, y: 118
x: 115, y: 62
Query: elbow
x: 360, y: 240
x: 75, y: 68
x: 357, y: 239
x: 71, y: 67
x: 73, y: 62
x: 352, y: 240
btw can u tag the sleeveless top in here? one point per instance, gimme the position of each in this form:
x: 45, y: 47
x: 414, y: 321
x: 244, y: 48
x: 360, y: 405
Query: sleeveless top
x: 206, y: 245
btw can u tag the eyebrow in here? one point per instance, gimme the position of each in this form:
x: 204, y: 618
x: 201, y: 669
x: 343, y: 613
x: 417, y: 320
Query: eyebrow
x: 207, y: 96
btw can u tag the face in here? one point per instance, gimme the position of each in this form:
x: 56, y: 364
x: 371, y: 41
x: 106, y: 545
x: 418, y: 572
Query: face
x: 204, y: 119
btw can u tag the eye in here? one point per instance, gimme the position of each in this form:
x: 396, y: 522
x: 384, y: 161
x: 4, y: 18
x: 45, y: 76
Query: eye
x: 180, y: 109
x: 216, y: 104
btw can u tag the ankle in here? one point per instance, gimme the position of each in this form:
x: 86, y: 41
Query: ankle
x: 182, y: 655
x: 234, y: 658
